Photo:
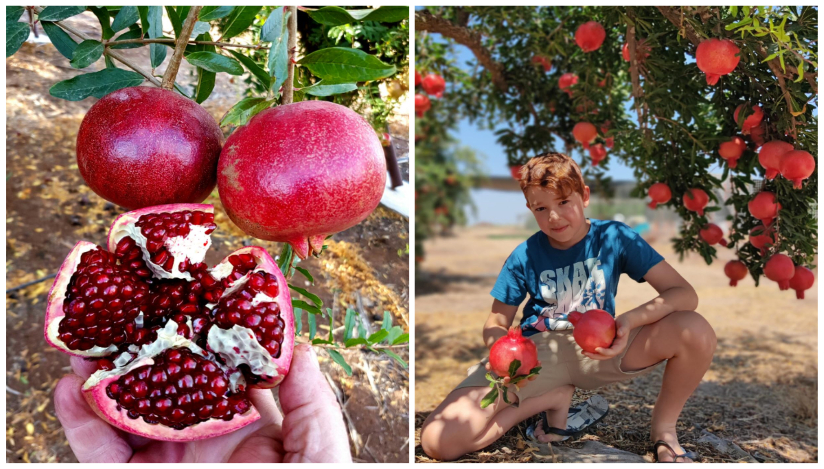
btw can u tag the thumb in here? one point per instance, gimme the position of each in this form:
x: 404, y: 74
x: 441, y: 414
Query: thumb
x: 313, y: 428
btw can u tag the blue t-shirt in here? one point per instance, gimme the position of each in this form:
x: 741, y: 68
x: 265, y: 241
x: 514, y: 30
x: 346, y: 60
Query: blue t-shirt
x: 580, y: 278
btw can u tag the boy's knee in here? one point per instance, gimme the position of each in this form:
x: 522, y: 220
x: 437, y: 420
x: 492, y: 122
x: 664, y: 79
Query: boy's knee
x: 697, y: 331
x: 432, y: 439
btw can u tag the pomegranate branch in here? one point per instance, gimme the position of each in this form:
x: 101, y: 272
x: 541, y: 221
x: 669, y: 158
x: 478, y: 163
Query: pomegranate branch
x: 174, y: 41
x: 180, y: 48
x: 292, y: 26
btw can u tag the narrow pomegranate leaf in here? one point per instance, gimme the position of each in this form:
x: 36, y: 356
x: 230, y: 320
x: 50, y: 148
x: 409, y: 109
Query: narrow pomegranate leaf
x: 13, y: 14
x: 345, y: 65
x: 273, y: 27
x: 403, y: 338
x: 322, y: 89
x: 240, y: 19
x: 278, y: 35
x: 338, y: 358
x: 490, y: 398
x: 387, y: 320
x: 174, y: 18
x: 298, y: 320
x: 256, y: 70
x: 134, y: 32
x: 354, y: 342
x: 305, y: 274
x: 377, y: 337
x: 16, y: 34
x: 62, y: 42
x: 86, y: 54
x: 157, y: 52
x: 244, y: 110
x: 205, y: 85
x: 336, y: 16
x: 513, y: 368
x: 305, y: 306
x: 105, y: 20
x: 313, y: 327
x: 58, y: 13
x: 214, y: 13
x: 388, y: 14
x: 394, y: 334
x: 127, y: 16
x: 314, y: 298
x: 97, y: 84
x: 215, y: 62
x: 396, y: 357
x: 348, y: 323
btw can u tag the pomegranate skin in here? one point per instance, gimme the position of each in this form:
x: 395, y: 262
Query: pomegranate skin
x: 802, y: 280
x: 300, y: 172
x: 593, y: 329
x: 761, y: 237
x: 735, y: 270
x: 750, y: 121
x: 513, y: 346
x: 699, y: 200
x: 140, y: 146
x: 422, y: 104
x: 590, y: 35
x: 515, y: 171
x: 717, y: 57
x: 566, y: 81
x: 584, y: 132
x: 780, y: 269
x: 796, y: 166
x: 660, y: 193
x: 731, y: 150
x: 764, y: 207
x: 434, y: 85
x: 712, y: 234
x: 770, y: 156
x: 597, y: 152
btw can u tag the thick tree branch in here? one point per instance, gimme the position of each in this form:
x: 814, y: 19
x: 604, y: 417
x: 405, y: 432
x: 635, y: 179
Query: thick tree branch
x: 673, y: 14
x: 180, y: 48
x: 632, y: 47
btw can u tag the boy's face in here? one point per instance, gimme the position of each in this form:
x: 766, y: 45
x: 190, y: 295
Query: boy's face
x: 561, y: 219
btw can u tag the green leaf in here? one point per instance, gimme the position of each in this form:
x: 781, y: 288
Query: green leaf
x: 273, y: 26
x: 321, y: 341
x: 320, y: 89
x: 55, y: 13
x: 361, y: 329
x: 200, y: 28
x: 16, y: 35
x: 205, y: 85
x: 387, y: 321
x: 13, y: 15
x: 490, y: 398
x: 253, y: 68
x: 733, y: 10
x: 306, y: 306
x: 377, y: 337
x: 343, y: 65
x: 394, y: 333
x: 298, y: 313
x: 174, y: 18
x: 126, y: 17
x: 336, y: 16
x: 215, y: 62
x: 87, y: 53
x: 513, y: 368
x: 105, y: 20
x: 331, y: 315
x: 214, y: 13
x: 244, y: 110
x: 800, y: 72
x: 305, y: 274
x: 133, y: 33
x: 314, y: 298
x: 61, y: 40
x: 348, y: 322
x: 313, y: 326
x: 388, y: 14
x: 109, y: 62
x: 356, y: 341
x: 157, y: 52
x: 338, y: 358
x: 403, y: 338
x: 279, y: 51
x: 240, y: 19
x: 97, y: 84
x: 396, y: 357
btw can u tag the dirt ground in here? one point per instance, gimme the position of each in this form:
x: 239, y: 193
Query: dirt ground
x: 761, y: 391
x: 49, y: 208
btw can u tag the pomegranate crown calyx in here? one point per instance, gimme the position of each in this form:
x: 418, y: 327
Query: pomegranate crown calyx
x: 574, y: 317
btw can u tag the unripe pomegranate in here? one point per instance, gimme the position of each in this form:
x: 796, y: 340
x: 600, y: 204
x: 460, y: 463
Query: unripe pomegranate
x: 422, y: 104
x: 516, y: 172
x: 764, y: 207
x: 780, y: 269
x: 299, y: 172
x: 660, y: 193
x: 394, y: 89
x: 712, y: 234
x: 716, y: 57
x: 513, y: 346
x: 543, y: 61
x: 752, y: 120
x: 770, y: 156
x: 434, y: 85
x: 584, y: 132
x: 597, y: 152
x: 762, y: 237
x: 418, y: 79
x: 144, y: 146
x: 566, y: 81
x: 593, y: 329
x: 590, y: 35
x: 641, y: 50
x: 802, y: 280
x: 796, y: 166
x: 697, y: 202
x: 732, y: 150
x: 735, y: 270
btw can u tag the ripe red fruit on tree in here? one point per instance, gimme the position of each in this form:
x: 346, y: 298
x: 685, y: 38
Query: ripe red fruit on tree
x: 593, y: 329
x: 660, y: 193
x: 716, y: 57
x: 803, y: 279
x: 796, y: 166
x: 732, y: 150
x: 513, y: 346
x: 757, y: 134
x: 780, y: 269
x: 735, y: 270
x: 762, y: 237
x: 750, y: 121
x: 641, y: 50
x: 770, y: 156
x: 422, y: 104
x: 590, y: 35
x: 597, y: 152
x: 418, y: 79
x: 144, y: 146
x: 764, y: 207
x: 610, y: 142
x: 566, y: 81
x: 516, y: 172
x: 697, y: 202
x: 299, y: 172
x: 434, y: 85
x: 543, y: 61
x: 584, y: 132
x: 712, y: 234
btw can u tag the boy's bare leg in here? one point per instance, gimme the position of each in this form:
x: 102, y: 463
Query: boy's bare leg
x: 687, y: 341
x: 459, y: 426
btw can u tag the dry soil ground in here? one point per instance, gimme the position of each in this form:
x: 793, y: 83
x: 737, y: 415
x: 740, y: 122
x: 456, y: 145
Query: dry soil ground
x: 760, y: 392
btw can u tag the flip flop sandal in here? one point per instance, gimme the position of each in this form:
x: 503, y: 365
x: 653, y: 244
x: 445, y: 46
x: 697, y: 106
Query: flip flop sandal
x: 580, y: 419
x: 689, y: 454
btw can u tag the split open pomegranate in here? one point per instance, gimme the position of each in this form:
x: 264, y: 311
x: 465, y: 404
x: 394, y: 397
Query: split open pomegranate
x: 181, y: 343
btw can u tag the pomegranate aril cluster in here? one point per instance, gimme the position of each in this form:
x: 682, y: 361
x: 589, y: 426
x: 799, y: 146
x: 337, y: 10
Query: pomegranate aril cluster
x: 158, y: 227
x: 102, y: 302
x: 180, y: 389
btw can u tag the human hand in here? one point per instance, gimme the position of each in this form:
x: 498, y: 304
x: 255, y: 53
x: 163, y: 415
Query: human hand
x: 310, y: 429
x: 622, y: 329
x: 507, y: 379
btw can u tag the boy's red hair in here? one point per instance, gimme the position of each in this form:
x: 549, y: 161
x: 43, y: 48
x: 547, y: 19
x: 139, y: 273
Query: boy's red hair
x: 554, y: 171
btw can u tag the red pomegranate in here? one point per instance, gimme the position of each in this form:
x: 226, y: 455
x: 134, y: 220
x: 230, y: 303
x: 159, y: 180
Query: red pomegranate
x: 584, y: 132
x: 796, y: 166
x: 641, y: 50
x: 762, y: 237
x: 590, y: 35
x: 597, y: 152
x: 732, y: 150
x: 780, y: 269
x: 716, y: 57
x: 764, y: 207
x: 803, y: 279
x: 299, y: 172
x: 434, y: 85
x: 712, y: 234
x: 516, y: 172
x: 422, y: 104
x: 660, y: 193
x: 757, y: 134
x: 609, y: 142
x: 143, y: 146
x: 178, y: 349
x: 418, y: 79
x: 566, y: 81
x: 770, y: 156
x: 593, y: 329
x: 751, y: 120
x: 513, y: 346
x: 735, y: 270
x: 543, y: 61
x: 697, y: 202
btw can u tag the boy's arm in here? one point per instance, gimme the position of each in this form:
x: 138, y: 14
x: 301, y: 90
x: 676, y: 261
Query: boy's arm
x: 498, y: 321
x: 674, y: 294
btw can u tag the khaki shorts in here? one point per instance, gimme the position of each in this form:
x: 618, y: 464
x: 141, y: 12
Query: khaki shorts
x: 563, y: 363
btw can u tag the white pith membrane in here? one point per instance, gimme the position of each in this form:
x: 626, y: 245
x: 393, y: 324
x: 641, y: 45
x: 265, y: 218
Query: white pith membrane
x: 194, y: 246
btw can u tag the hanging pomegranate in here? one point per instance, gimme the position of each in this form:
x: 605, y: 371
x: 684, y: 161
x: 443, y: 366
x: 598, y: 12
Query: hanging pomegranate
x: 641, y: 50
x: 757, y: 134
x: 695, y: 200
x: 660, y: 193
x: 764, y: 207
x: 543, y: 61
x: 796, y: 166
x: 717, y: 57
x: 418, y: 79
x: 762, y: 237
x: 566, y: 81
x: 770, y: 156
x: 422, y: 104
x: 434, y: 85
x: 590, y: 35
x: 803, y: 279
x: 750, y: 121
x: 597, y: 152
x: 515, y: 171
x: 584, y: 132
x: 780, y: 269
x: 732, y: 150
x: 735, y: 270
x: 712, y: 234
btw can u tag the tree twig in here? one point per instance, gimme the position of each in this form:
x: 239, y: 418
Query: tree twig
x: 700, y: 145
x: 180, y: 48
x: 632, y: 47
x: 28, y: 284
x: 174, y: 41
x: 288, y: 85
